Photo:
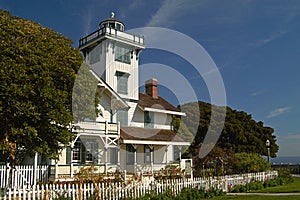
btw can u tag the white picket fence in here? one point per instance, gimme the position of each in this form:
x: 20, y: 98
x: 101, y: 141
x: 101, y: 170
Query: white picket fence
x: 22, y: 176
x: 134, y: 189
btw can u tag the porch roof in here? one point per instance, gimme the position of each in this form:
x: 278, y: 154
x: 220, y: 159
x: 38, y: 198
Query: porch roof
x: 138, y: 135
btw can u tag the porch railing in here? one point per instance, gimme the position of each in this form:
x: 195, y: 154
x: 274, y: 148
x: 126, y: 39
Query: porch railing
x: 105, y: 128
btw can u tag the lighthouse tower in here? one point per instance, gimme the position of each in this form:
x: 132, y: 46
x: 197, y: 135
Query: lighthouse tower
x: 113, y: 54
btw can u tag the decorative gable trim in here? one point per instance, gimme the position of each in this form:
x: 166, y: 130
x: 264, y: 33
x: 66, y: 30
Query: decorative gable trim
x: 119, y: 102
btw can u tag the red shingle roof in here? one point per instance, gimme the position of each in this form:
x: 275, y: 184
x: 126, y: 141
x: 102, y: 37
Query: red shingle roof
x: 146, y: 100
x: 149, y: 134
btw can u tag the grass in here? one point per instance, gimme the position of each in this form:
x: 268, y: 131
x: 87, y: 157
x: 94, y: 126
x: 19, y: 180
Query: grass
x: 258, y: 197
x: 289, y: 188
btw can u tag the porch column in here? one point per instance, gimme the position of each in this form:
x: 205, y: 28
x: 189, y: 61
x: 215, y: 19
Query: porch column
x: 166, y: 152
x: 105, y: 150
x: 119, y: 155
x: 106, y: 146
x: 151, y: 156
x: 56, y: 170
x: 119, y: 145
x: 135, y: 156
x: 180, y: 148
x: 71, y: 160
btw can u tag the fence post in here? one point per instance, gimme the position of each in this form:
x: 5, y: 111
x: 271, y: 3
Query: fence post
x: 35, y: 168
x: 7, y: 175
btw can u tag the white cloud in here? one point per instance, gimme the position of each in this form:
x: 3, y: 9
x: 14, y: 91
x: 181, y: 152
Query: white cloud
x: 170, y: 11
x: 271, y: 37
x: 278, y: 111
x: 256, y: 93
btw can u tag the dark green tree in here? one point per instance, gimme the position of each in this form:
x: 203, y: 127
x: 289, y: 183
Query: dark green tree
x: 248, y: 162
x: 86, y: 95
x: 240, y: 132
x: 38, y: 67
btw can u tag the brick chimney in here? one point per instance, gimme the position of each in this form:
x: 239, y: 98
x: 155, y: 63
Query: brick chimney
x: 151, y: 87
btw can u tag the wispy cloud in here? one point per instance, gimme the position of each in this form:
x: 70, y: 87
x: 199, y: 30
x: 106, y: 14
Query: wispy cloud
x: 279, y: 111
x: 170, y: 11
x: 256, y: 93
x: 271, y: 37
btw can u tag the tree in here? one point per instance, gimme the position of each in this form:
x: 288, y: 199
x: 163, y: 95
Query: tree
x: 38, y: 67
x: 182, y: 130
x: 86, y: 95
x: 248, y: 162
x: 240, y: 132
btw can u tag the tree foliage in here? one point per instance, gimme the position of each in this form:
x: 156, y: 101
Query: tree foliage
x: 86, y: 95
x: 182, y: 130
x: 241, y: 133
x: 38, y: 67
x: 248, y: 162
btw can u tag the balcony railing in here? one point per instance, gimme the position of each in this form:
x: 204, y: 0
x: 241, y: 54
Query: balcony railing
x: 105, y: 128
x: 110, y: 32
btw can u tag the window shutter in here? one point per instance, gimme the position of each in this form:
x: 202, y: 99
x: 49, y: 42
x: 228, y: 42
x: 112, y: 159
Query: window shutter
x: 68, y: 156
x: 83, y: 155
x: 95, y: 160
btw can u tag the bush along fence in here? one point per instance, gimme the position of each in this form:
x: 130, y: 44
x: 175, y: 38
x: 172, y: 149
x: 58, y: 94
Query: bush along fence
x: 134, y: 189
x: 22, y: 176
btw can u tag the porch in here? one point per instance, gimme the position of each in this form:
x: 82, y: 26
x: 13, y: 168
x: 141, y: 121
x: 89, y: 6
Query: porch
x: 96, y: 144
x: 148, y: 150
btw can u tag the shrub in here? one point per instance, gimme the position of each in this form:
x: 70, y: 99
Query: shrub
x: 186, y: 193
x: 285, y: 176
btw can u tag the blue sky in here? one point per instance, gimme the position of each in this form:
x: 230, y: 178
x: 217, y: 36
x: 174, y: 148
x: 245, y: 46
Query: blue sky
x: 255, y: 45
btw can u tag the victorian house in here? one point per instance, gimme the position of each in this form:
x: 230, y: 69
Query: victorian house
x: 135, y: 130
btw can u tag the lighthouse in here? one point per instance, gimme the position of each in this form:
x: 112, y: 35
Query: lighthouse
x: 114, y: 55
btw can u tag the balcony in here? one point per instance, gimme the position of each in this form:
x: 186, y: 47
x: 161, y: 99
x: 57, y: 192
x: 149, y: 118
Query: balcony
x: 106, y: 33
x: 102, y: 128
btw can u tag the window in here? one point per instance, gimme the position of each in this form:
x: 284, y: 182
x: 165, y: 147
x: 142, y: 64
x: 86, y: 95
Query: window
x: 77, y: 152
x: 122, y: 117
x: 149, y: 119
x: 113, y: 152
x: 122, y: 54
x: 91, y: 152
x: 122, y: 82
x: 84, y: 151
x: 129, y: 154
x: 147, y: 154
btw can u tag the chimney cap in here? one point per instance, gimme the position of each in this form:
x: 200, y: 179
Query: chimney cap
x: 153, y: 81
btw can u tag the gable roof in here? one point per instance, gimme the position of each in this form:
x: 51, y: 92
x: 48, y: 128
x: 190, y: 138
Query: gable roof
x: 119, y: 102
x: 159, y: 104
x: 138, y: 135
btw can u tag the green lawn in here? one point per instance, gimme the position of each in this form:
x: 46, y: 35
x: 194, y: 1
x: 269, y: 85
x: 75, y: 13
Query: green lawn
x: 259, y: 197
x: 292, y: 187
x: 289, y: 188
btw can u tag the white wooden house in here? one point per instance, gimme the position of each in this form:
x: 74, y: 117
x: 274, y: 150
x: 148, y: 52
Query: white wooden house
x: 137, y: 134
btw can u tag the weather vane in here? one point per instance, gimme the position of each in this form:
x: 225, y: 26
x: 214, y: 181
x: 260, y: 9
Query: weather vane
x: 112, y: 14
